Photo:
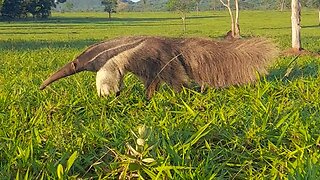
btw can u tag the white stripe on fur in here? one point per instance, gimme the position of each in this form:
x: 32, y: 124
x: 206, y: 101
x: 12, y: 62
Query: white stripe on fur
x: 109, y: 77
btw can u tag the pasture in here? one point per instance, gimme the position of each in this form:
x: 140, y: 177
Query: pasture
x: 266, y: 130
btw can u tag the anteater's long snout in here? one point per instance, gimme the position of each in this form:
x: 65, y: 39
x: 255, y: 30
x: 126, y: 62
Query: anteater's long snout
x: 67, y: 70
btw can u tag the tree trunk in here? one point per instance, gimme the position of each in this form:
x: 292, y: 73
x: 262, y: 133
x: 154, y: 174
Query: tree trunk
x: 184, y: 23
x: 144, y: 5
x: 197, y: 7
x: 282, y: 5
x: 183, y: 17
x: 109, y: 15
x: 237, y: 26
x: 231, y: 16
x: 214, y: 5
x: 319, y: 14
x: 295, y: 23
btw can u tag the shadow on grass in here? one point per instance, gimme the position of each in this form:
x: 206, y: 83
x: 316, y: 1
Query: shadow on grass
x: 310, y: 70
x: 162, y: 19
x: 97, y: 20
x: 34, y: 45
x: 270, y: 28
x: 79, y: 27
x: 289, y: 27
x: 42, y: 32
x: 312, y: 26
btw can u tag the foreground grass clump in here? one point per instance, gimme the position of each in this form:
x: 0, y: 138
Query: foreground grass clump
x: 270, y: 129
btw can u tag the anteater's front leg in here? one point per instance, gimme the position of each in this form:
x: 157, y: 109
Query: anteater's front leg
x: 108, y: 81
x: 152, y: 87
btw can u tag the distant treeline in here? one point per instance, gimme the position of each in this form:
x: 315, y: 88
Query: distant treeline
x: 161, y: 5
x: 16, y: 9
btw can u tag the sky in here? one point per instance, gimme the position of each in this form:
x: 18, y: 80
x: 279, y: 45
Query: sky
x: 135, y: 0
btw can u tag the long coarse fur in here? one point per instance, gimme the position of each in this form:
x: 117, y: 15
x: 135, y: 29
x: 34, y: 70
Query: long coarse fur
x: 175, y: 61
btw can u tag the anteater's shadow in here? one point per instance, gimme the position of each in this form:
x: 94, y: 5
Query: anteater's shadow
x: 310, y: 70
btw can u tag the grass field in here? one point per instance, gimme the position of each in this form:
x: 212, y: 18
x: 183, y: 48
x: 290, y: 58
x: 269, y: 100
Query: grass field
x: 269, y: 130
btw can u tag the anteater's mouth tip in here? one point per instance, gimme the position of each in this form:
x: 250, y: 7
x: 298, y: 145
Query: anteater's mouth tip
x: 42, y: 87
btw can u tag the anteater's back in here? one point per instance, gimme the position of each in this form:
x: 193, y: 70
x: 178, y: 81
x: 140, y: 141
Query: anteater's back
x: 224, y: 63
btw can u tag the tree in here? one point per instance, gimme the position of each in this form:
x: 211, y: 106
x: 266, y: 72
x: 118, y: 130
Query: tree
x: 68, y: 6
x: 12, y: 9
x: 1, y: 2
x: 282, y: 5
x: 182, y: 6
x: 214, y: 5
x: 235, y: 27
x: 295, y: 24
x: 144, y: 5
x: 109, y: 6
x: 197, y: 6
x: 40, y: 9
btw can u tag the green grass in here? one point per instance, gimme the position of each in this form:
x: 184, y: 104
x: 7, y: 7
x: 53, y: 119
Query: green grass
x: 269, y: 130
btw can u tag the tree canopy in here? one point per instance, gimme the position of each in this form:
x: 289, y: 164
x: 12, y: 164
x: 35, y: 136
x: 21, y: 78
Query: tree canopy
x: 109, y: 6
x: 181, y: 5
x: 12, y: 9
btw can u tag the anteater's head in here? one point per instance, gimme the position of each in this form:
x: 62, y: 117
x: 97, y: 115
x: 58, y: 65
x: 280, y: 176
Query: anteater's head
x: 95, y: 58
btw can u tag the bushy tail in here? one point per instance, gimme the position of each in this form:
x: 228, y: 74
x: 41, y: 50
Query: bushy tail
x: 249, y: 57
x: 224, y: 63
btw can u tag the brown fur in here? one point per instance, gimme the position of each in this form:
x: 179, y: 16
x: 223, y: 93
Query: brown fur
x: 175, y: 61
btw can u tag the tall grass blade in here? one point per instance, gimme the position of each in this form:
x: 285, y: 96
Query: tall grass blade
x: 71, y: 160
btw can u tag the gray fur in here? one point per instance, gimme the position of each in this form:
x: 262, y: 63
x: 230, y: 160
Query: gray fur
x: 175, y: 61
